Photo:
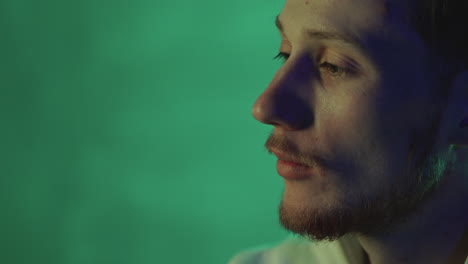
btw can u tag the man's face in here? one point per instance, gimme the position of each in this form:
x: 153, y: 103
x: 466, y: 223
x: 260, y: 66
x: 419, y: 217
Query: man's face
x: 372, y: 134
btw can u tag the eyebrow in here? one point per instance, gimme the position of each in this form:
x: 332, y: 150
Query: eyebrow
x: 326, y: 35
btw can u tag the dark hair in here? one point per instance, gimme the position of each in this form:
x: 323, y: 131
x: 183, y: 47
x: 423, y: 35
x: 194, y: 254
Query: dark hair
x: 443, y: 25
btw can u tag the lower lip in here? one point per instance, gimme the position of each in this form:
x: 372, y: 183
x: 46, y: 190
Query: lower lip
x: 291, y: 170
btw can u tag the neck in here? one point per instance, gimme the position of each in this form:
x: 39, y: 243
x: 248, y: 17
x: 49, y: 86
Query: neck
x: 438, y: 235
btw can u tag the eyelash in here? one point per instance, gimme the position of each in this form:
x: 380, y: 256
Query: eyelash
x: 341, y: 70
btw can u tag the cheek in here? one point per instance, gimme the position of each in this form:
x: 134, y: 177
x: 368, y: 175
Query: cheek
x: 348, y: 129
x: 359, y: 132
x: 352, y: 114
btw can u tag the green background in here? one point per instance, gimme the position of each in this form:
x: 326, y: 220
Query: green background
x: 127, y: 134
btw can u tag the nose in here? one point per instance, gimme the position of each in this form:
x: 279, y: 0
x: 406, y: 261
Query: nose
x: 286, y: 101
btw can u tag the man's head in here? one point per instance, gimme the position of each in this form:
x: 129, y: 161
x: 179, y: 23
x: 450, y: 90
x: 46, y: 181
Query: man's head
x: 377, y: 115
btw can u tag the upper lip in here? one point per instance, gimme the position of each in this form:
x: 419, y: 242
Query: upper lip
x: 285, y: 157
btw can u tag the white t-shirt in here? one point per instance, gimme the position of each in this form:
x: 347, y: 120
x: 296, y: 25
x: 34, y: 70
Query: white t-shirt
x: 295, y: 250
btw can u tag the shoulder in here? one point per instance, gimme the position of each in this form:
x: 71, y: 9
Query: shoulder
x: 292, y: 250
x: 247, y: 257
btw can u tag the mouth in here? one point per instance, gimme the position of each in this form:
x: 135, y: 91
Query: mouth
x: 291, y: 168
x: 293, y: 171
x: 288, y: 160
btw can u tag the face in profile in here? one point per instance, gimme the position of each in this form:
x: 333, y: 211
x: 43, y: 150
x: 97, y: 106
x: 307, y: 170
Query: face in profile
x: 357, y: 100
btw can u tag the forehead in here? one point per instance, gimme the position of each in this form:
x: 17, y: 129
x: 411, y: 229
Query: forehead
x: 332, y: 13
x: 384, y: 19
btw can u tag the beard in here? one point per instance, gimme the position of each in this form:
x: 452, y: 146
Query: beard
x: 383, y: 210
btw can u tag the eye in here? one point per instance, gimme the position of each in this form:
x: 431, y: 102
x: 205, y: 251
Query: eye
x: 282, y: 55
x: 332, y: 69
